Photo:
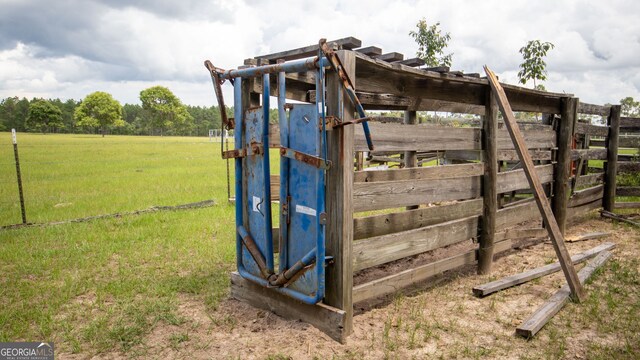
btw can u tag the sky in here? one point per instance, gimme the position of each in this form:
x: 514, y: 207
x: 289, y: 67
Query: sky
x: 70, y: 48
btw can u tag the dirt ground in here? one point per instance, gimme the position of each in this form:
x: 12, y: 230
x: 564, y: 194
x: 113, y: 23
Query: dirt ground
x: 443, y: 321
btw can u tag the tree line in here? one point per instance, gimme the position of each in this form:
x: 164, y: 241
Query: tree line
x: 160, y: 113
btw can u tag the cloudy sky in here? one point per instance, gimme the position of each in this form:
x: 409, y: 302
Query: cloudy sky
x: 69, y: 48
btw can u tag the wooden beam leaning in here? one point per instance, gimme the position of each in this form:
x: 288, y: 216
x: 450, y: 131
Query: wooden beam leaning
x: 538, y: 319
x: 339, y: 276
x: 513, y: 280
x: 611, y: 166
x: 327, y: 319
x: 543, y: 203
x: 489, y: 185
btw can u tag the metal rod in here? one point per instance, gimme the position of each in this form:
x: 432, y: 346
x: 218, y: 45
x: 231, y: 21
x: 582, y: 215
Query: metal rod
x: 267, y: 172
x: 288, y: 67
x: 237, y: 139
x: 15, y: 153
x: 284, y: 171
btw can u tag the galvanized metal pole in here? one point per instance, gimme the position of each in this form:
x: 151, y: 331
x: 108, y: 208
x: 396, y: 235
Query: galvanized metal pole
x: 15, y: 152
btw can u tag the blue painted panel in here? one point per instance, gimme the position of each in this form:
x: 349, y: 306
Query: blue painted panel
x: 256, y: 201
x: 304, y: 180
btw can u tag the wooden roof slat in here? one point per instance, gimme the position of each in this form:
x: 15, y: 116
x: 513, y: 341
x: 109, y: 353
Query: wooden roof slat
x: 390, y: 57
x: 347, y: 43
x: 370, y: 50
x: 412, y: 62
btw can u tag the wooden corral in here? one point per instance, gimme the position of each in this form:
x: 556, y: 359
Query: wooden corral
x: 382, y: 217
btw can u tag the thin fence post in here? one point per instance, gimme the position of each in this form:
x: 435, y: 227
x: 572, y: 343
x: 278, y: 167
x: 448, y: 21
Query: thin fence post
x: 611, y: 166
x: 489, y: 184
x: 19, y: 176
x: 562, y: 175
x: 411, y: 157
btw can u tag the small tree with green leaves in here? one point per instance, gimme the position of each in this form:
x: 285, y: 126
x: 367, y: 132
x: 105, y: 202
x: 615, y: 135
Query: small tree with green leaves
x: 99, y: 109
x: 44, y: 117
x: 630, y: 107
x: 431, y: 44
x: 534, y: 67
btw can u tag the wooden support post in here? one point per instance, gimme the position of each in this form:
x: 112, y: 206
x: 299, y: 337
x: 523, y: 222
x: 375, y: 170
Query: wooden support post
x: 561, y: 186
x: 410, y: 157
x: 534, y: 181
x: 611, y: 166
x: 339, y: 277
x: 489, y: 185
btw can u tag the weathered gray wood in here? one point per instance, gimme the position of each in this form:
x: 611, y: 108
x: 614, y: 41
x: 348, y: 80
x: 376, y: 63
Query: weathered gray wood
x: 588, y: 236
x: 393, y: 194
x: 390, y: 57
x: 578, y: 211
x: 561, y: 185
x: 594, y: 130
x: 514, y: 234
x: 611, y: 166
x: 629, y: 167
x: 590, y: 179
x: 410, y: 157
x: 517, y: 214
x: 543, y: 203
x: 588, y: 154
x: 385, y: 248
x: 405, y: 279
x: 586, y: 196
x: 624, y: 141
x: 327, y: 319
x: 543, y: 314
x: 512, y: 155
x: 516, y: 179
x: 413, y: 62
x: 627, y: 205
x: 339, y: 239
x: 384, y: 224
x: 489, y: 186
x: 423, y: 173
x: 591, y: 109
x: 534, y: 139
x: 311, y: 50
x: 398, y: 137
x: 613, y: 216
x: 370, y: 50
x: 627, y: 122
x: 513, y: 280
x: 628, y: 190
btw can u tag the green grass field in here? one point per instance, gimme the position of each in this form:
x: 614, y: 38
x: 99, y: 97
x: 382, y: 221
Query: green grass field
x: 129, y: 269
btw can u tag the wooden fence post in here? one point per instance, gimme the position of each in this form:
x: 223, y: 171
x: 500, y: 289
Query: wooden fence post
x: 411, y: 157
x: 339, y: 276
x: 489, y: 184
x: 561, y: 186
x: 611, y: 166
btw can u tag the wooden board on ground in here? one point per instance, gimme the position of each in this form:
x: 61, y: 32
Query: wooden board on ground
x: 326, y: 318
x: 543, y: 314
x: 588, y: 236
x: 513, y: 280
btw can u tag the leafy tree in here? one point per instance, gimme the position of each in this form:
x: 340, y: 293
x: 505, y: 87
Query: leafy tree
x: 99, y: 109
x: 534, y: 68
x: 431, y: 44
x: 165, y: 109
x: 630, y: 107
x: 13, y: 113
x: 44, y: 116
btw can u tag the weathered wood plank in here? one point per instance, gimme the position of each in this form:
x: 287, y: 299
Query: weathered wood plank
x: 390, y: 57
x: 413, y: 62
x: 517, y: 279
x: 611, y: 165
x: 311, y: 50
x: 534, y: 139
x: 399, y: 137
x: 628, y: 190
x: 339, y: 276
x: 517, y: 214
x: 594, y: 130
x: 489, y: 186
x: 543, y: 314
x: 384, y: 224
x: 627, y: 205
x: 591, y: 109
x: 516, y: 179
x: 514, y: 234
x: 624, y: 141
x: 626, y: 122
x: 628, y: 167
x: 392, y: 194
x: 574, y: 213
x: 590, y: 179
x: 503, y: 155
x: 588, y: 236
x: 325, y: 318
x: 385, y: 248
x: 588, y: 154
x: 370, y: 50
x: 586, y: 196
x: 423, y: 173
x: 555, y: 233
